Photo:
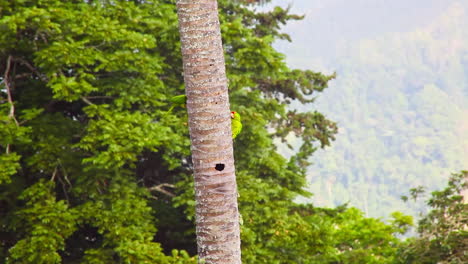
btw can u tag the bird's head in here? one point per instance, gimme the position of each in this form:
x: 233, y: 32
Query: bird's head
x: 235, y: 115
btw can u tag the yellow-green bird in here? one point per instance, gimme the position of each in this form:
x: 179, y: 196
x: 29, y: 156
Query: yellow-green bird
x: 236, y: 125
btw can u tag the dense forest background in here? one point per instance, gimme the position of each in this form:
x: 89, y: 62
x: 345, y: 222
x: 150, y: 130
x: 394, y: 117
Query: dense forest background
x: 94, y: 168
x: 400, y: 98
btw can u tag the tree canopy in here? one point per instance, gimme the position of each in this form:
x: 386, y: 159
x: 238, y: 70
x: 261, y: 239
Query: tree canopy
x: 442, y: 231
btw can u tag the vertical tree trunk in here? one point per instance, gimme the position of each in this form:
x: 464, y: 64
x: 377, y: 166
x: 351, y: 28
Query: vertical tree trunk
x: 217, y: 217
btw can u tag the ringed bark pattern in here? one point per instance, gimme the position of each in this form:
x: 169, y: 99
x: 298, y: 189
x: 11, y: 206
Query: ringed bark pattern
x: 217, y: 216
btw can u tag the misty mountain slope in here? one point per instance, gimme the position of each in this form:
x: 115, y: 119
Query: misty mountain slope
x: 331, y: 24
x: 401, y: 101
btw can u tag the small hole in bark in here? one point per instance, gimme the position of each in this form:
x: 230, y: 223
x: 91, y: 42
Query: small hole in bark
x: 211, y: 64
x: 219, y: 167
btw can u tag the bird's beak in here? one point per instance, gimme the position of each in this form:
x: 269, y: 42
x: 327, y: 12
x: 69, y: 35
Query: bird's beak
x: 232, y: 114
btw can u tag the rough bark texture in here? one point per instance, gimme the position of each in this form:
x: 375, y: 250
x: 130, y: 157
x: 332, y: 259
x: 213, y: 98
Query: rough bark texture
x: 217, y: 217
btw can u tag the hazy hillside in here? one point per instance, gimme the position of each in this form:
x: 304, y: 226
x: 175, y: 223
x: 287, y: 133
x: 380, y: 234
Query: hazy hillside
x: 331, y: 24
x: 400, y: 99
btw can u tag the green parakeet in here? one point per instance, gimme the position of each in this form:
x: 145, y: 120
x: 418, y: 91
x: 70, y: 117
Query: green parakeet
x: 236, y: 124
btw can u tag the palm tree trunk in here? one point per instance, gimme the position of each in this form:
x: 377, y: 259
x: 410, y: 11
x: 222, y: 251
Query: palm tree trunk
x: 217, y: 216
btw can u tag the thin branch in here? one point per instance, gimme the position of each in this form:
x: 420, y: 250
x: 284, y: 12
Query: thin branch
x: 65, y: 174
x: 44, y: 38
x: 160, y: 188
x: 100, y: 97
x: 31, y: 68
x: 23, y: 75
x: 65, y: 177
x: 8, y: 89
x: 88, y: 102
x: 54, y: 174
x: 64, y: 189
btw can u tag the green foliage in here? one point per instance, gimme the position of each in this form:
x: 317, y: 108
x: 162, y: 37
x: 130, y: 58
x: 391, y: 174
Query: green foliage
x: 44, y: 222
x: 9, y: 166
x: 11, y: 133
x: 367, y: 240
x: 442, y: 231
x: 125, y: 224
x: 97, y: 170
x: 87, y: 82
x: 116, y: 139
